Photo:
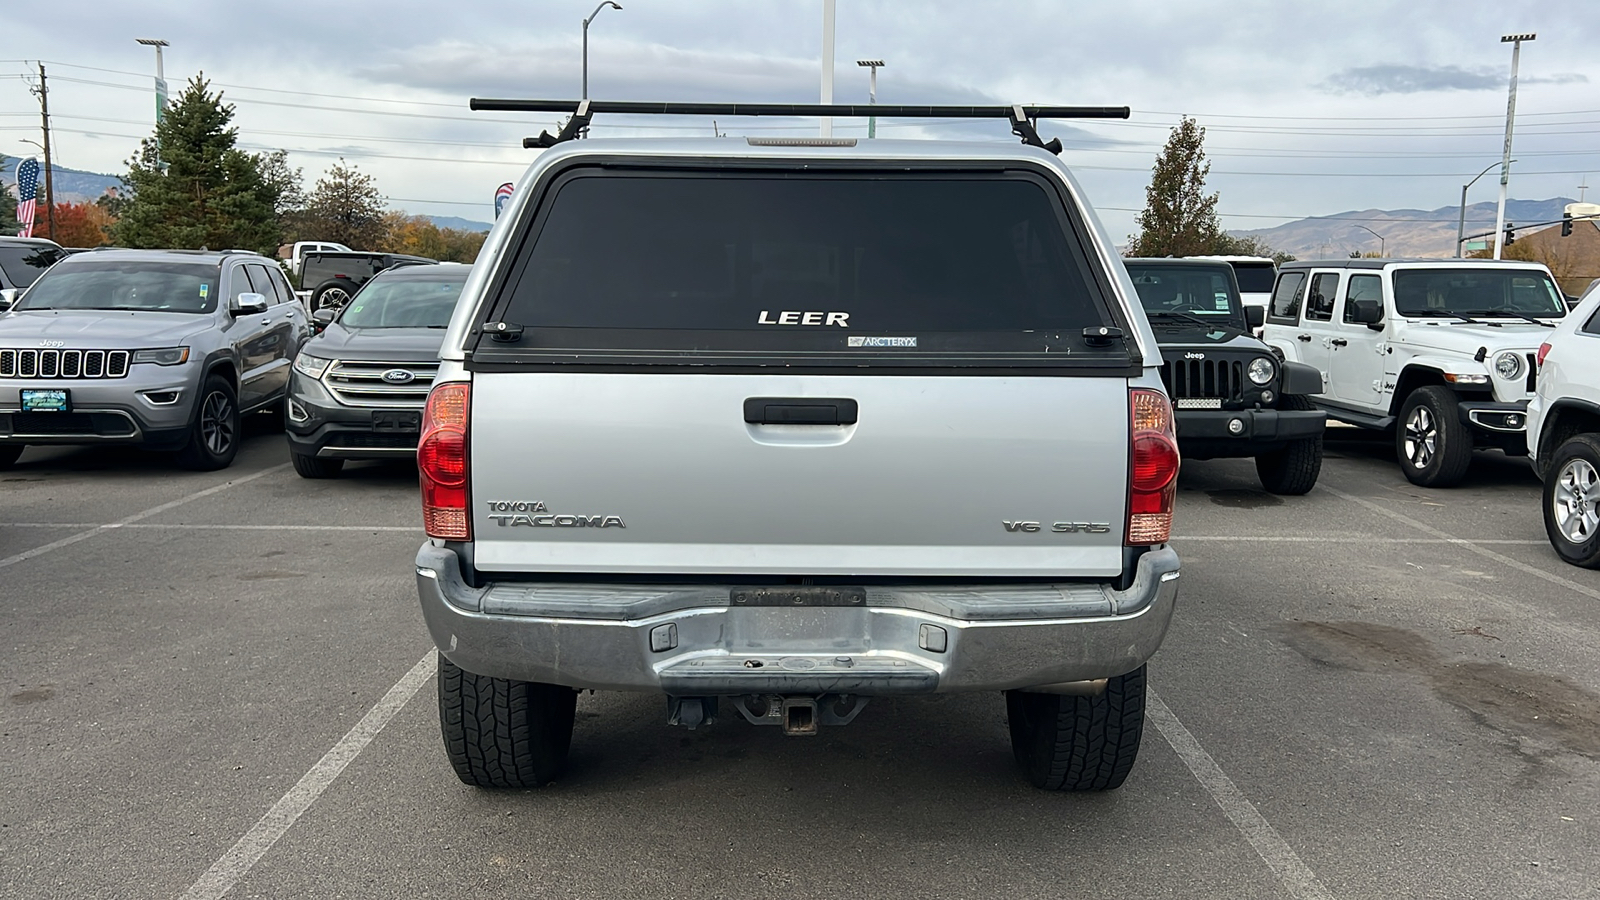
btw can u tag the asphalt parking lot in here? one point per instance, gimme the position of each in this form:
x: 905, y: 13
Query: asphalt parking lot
x: 220, y: 683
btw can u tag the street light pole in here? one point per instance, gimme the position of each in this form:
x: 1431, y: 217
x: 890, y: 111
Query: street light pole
x: 586, y: 46
x: 825, y: 127
x: 1461, y: 222
x: 161, y: 88
x: 1515, y: 40
x: 1383, y: 251
x: 872, y: 92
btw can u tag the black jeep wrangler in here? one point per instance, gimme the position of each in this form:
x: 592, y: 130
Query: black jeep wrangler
x: 1232, y: 395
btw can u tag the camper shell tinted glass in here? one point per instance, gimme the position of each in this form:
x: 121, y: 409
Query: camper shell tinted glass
x: 815, y: 265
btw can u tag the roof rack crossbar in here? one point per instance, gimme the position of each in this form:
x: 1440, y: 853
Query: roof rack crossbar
x: 1023, y: 118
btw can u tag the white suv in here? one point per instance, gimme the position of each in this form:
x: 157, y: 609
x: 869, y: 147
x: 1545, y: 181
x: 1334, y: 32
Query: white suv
x: 1564, y: 434
x: 1441, y: 351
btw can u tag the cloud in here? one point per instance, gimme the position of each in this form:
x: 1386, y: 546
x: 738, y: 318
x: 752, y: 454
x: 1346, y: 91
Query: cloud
x: 1375, y: 80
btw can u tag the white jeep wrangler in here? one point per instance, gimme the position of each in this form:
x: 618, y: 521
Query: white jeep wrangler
x: 1441, y: 351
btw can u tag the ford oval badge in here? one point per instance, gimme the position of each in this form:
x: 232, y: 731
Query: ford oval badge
x: 399, y: 376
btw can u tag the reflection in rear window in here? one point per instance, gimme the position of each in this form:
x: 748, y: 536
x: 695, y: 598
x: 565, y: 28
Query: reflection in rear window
x: 731, y: 261
x: 25, y: 262
x: 1254, y: 278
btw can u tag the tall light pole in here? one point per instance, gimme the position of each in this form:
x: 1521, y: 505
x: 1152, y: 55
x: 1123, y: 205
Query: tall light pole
x: 872, y: 92
x: 586, y: 22
x: 161, y: 89
x: 1515, y: 40
x: 1461, y: 222
x: 826, y: 127
x: 1382, y: 244
x: 161, y: 78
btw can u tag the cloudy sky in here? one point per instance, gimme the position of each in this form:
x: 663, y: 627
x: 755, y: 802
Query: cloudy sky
x: 1310, y: 108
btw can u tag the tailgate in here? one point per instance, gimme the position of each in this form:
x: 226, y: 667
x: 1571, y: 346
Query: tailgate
x: 610, y: 472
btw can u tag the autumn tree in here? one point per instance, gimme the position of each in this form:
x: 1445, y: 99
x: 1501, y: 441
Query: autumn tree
x: 82, y: 224
x: 419, y: 236
x: 190, y: 185
x: 345, y: 207
x: 1179, y: 218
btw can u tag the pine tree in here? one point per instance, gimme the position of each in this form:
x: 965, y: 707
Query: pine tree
x: 192, y: 187
x: 345, y: 207
x: 8, y: 204
x: 1180, y: 218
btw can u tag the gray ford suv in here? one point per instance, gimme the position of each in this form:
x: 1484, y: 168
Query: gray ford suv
x: 163, y: 348
x: 358, y: 388
x: 775, y: 426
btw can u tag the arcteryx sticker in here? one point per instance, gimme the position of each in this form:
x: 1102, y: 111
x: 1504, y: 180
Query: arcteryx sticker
x: 794, y: 317
x: 859, y: 340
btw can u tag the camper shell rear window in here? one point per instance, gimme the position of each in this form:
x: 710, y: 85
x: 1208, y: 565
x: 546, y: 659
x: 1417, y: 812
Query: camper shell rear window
x: 801, y: 266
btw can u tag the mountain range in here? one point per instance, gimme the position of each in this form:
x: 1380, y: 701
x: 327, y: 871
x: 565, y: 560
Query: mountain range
x: 1405, y: 232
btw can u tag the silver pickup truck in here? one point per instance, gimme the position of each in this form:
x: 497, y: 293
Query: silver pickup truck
x: 772, y: 427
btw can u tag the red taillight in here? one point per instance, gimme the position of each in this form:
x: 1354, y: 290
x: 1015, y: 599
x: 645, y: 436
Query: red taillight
x: 442, y: 460
x: 1544, y: 350
x: 1152, y: 468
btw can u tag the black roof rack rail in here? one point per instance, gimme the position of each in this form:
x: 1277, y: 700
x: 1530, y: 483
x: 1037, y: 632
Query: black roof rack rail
x: 1024, y: 118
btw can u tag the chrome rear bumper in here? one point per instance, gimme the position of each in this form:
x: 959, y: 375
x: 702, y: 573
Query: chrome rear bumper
x: 693, y: 639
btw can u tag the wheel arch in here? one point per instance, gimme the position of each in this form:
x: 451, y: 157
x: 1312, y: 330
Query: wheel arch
x: 1566, y: 419
x: 1421, y: 374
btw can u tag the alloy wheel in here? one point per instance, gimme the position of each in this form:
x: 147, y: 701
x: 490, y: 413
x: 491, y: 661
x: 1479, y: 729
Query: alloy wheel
x: 1422, y: 437
x: 1575, y: 501
x: 216, y: 423
x: 333, y: 298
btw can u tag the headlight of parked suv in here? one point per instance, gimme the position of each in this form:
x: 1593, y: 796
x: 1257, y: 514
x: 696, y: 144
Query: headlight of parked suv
x: 1508, y: 365
x: 166, y: 356
x: 1261, y: 370
x: 311, y: 366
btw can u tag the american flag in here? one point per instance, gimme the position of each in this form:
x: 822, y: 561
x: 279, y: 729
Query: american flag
x: 27, y: 187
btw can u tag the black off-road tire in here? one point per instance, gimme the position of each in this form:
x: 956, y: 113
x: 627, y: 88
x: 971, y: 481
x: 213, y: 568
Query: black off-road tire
x: 215, y: 433
x: 1293, y: 470
x: 1571, y: 500
x: 316, y: 466
x: 1072, y: 743
x: 9, y: 454
x: 1429, y: 421
x: 504, y: 734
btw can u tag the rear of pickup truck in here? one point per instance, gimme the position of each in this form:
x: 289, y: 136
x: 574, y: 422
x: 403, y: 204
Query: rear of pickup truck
x: 774, y: 430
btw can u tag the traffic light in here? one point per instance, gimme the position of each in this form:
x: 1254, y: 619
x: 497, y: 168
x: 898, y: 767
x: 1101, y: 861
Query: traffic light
x: 1566, y: 224
x: 1511, y: 234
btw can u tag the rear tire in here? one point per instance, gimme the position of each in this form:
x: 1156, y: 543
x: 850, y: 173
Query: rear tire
x: 1071, y: 743
x: 331, y: 296
x: 504, y: 734
x: 316, y: 466
x: 1572, y: 501
x: 1293, y: 470
x: 214, y: 436
x: 1433, y: 447
x: 9, y: 454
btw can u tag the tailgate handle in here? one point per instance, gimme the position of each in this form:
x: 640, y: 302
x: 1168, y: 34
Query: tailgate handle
x: 799, y: 411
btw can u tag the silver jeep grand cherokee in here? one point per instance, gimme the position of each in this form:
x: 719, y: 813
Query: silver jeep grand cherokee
x: 772, y: 427
x: 162, y: 348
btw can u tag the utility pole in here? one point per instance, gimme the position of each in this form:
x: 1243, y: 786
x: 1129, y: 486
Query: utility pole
x: 43, y: 90
x: 1515, y: 40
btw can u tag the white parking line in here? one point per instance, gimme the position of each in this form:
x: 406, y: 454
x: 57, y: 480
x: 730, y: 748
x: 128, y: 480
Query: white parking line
x: 1474, y: 546
x: 1296, y: 876
x: 1296, y: 539
x: 248, y: 850
x: 224, y: 527
x: 136, y: 517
